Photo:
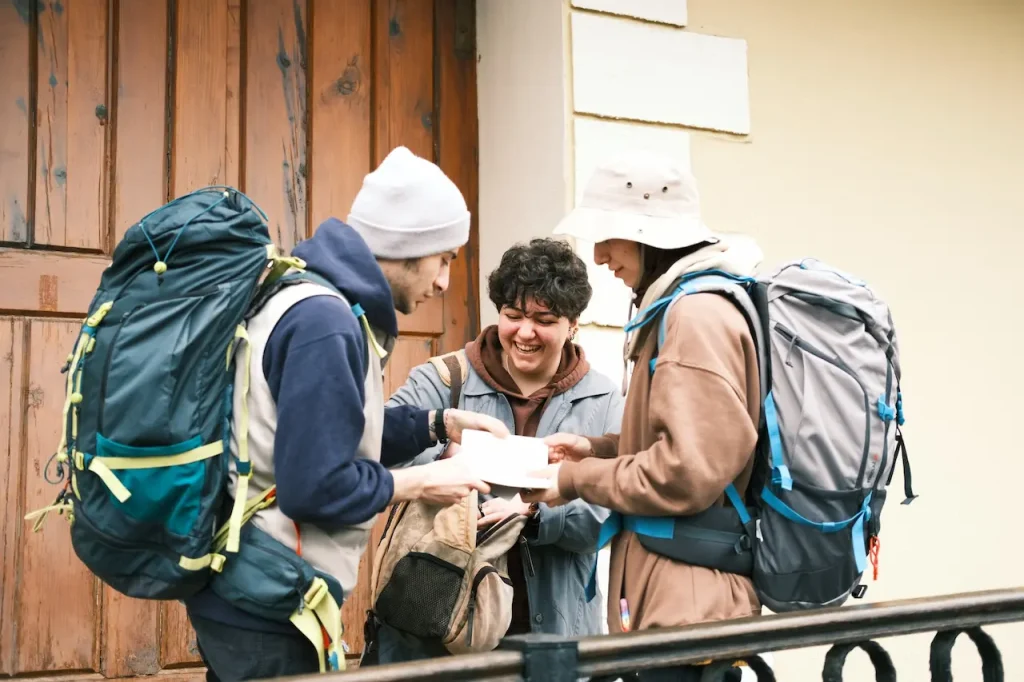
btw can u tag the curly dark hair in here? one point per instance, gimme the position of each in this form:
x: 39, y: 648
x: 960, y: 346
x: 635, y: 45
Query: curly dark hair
x: 546, y: 270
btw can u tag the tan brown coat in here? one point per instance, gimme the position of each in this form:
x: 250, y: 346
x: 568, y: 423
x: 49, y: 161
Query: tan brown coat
x: 686, y: 434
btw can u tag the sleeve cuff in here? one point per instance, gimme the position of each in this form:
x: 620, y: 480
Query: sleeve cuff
x: 549, y: 526
x: 567, y: 480
x: 422, y: 429
x: 604, y: 447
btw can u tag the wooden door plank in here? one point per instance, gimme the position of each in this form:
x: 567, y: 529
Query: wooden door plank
x: 55, y: 607
x: 129, y: 638
x: 140, y: 117
x: 15, y: 24
x: 233, y: 97
x: 275, y: 110
x: 404, y: 75
x: 200, y: 95
x: 72, y: 115
x: 458, y: 147
x: 12, y: 357
x: 49, y: 282
x: 177, y: 639
x: 404, y: 106
x: 340, y: 120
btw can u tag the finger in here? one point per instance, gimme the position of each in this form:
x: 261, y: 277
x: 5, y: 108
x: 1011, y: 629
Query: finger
x: 557, y: 440
x: 555, y: 455
x: 490, y: 519
x: 495, y: 426
x: 480, y: 486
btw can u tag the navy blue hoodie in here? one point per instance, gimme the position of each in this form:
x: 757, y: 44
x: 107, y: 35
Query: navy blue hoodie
x: 315, y: 363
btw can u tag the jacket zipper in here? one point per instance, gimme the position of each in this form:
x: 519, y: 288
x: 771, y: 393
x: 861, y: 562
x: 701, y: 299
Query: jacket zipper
x: 837, y: 363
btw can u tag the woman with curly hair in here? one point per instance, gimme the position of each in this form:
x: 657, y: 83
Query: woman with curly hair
x: 527, y: 371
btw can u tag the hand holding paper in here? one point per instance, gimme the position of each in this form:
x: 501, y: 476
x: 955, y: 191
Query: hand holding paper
x: 505, y: 462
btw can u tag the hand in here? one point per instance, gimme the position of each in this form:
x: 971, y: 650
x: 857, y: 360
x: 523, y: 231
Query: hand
x: 443, y: 482
x: 450, y: 450
x: 498, y: 508
x: 567, y: 446
x: 457, y: 421
x: 549, y: 496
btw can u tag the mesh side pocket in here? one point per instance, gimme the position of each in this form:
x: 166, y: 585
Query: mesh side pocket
x: 421, y: 595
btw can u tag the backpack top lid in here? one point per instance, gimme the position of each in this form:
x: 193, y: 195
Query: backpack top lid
x: 811, y: 281
x: 212, y: 233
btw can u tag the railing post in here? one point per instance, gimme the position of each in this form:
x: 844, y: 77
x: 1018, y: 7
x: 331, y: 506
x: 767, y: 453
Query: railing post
x: 546, y: 657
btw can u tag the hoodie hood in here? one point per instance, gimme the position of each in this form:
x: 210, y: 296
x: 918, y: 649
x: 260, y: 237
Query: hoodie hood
x: 735, y: 254
x: 337, y: 253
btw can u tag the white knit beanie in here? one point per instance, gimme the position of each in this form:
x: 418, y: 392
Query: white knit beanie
x: 408, y: 208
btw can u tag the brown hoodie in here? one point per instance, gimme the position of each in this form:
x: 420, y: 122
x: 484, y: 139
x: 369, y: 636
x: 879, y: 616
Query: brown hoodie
x: 687, y: 432
x: 485, y: 356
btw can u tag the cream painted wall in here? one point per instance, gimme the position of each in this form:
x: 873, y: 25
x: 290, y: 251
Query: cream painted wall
x: 522, y: 111
x: 884, y: 138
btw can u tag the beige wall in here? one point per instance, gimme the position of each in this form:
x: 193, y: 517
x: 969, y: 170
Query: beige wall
x: 884, y: 138
x: 522, y: 108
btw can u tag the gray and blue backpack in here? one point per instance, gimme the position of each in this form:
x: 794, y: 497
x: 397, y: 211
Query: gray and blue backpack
x: 828, y: 442
x: 144, y: 452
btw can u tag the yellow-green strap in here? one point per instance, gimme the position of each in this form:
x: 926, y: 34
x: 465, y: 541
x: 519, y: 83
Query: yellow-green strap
x: 158, y: 461
x: 308, y: 624
x: 112, y: 482
x: 320, y: 609
x: 80, y: 346
x: 374, y: 344
x: 212, y: 560
x: 261, y: 501
x: 39, y: 515
x: 242, y: 434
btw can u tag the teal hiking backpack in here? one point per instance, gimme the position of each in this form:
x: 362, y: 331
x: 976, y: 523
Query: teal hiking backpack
x: 145, y: 447
x: 828, y: 444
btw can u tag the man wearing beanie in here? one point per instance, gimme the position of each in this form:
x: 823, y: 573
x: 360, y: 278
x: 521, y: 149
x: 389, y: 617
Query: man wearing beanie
x: 318, y: 429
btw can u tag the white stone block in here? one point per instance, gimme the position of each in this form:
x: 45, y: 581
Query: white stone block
x: 651, y: 72
x: 663, y: 11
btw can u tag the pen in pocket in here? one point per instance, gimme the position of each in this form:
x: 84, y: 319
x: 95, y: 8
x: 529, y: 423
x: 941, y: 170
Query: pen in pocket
x: 624, y: 614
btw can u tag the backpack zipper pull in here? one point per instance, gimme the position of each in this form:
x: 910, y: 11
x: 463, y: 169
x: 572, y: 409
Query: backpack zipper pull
x: 757, y: 530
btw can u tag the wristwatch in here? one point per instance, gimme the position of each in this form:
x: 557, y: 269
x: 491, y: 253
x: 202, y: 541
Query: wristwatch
x: 440, y: 433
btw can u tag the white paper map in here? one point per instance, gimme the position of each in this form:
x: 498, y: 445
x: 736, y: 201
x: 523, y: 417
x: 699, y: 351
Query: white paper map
x: 506, y: 461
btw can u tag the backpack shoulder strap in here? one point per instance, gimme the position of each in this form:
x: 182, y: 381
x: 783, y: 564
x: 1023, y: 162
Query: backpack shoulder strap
x: 452, y: 368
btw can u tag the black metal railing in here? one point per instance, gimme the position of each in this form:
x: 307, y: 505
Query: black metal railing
x: 556, y: 659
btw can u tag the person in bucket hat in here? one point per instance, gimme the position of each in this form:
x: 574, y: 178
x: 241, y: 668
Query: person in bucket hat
x: 691, y: 417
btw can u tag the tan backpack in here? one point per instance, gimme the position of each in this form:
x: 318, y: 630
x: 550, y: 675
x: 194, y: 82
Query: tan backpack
x: 435, y: 575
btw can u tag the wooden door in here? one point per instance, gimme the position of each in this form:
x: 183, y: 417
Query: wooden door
x: 108, y: 108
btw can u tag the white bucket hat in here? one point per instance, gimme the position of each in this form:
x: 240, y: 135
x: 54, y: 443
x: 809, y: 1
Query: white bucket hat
x: 642, y: 197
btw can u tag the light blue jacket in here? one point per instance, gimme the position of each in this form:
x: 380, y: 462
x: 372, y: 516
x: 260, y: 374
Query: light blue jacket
x: 562, y: 549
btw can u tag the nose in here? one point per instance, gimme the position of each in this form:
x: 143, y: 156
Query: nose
x: 526, y: 330
x: 601, y: 253
x: 443, y: 279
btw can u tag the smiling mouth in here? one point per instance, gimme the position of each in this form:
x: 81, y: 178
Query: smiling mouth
x: 526, y: 350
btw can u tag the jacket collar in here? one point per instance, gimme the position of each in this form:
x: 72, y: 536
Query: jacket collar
x: 592, y: 384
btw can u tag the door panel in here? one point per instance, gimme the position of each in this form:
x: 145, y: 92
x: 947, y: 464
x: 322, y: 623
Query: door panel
x: 54, y: 590
x: 109, y: 109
